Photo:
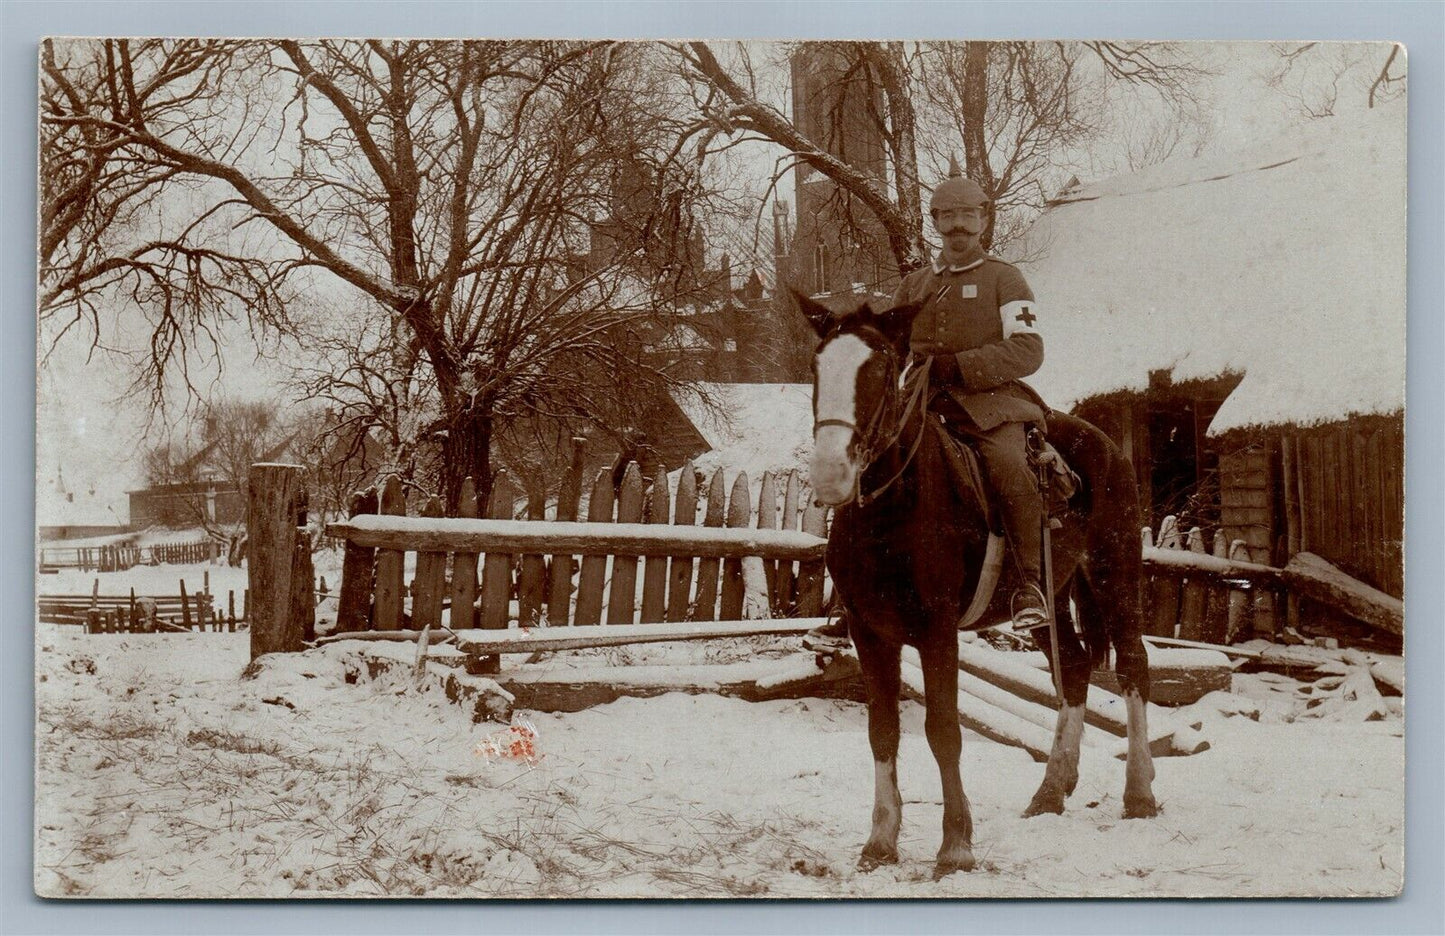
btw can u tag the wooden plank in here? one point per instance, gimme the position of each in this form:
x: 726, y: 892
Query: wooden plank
x: 630, y: 539
x: 389, y: 561
x: 1216, y: 598
x: 618, y: 635
x: 273, y: 501
x: 431, y: 570
x: 707, y: 567
x: 679, y: 575
x: 559, y: 586
x: 787, y: 601
x: 496, y: 585
x: 1238, y: 599
x: 532, y: 577
x: 654, y: 571
x: 1164, y: 595
x: 622, y: 592
x: 594, y: 565
x: 303, y: 592
x: 464, y: 565
x: 768, y: 520
x: 810, y: 572
x: 1192, y: 597
x: 739, y: 513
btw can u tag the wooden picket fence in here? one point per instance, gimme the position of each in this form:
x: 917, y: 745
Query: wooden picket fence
x: 1211, y: 594
x: 560, y: 572
x: 201, y: 550
x: 110, y: 558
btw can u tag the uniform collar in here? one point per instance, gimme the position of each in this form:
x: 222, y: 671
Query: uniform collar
x: 939, y: 267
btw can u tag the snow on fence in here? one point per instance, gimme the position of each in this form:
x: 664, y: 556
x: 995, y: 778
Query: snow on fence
x: 116, y: 557
x: 689, y: 572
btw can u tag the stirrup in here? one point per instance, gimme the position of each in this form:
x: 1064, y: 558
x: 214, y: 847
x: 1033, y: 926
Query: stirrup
x: 1029, y: 619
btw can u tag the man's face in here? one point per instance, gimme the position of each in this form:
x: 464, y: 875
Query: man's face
x: 959, y: 228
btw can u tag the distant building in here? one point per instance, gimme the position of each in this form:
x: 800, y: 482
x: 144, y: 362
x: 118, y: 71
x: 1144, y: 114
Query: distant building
x: 65, y: 510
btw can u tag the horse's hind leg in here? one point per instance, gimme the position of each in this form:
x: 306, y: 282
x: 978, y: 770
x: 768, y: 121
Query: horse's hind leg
x: 1133, y: 669
x: 881, y: 678
x: 1061, y: 774
x: 945, y: 738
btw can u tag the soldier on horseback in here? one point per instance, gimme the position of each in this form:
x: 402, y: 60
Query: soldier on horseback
x: 978, y: 332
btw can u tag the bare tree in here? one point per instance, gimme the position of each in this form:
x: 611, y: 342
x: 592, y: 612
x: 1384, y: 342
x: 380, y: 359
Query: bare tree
x: 1320, y: 77
x: 498, y: 212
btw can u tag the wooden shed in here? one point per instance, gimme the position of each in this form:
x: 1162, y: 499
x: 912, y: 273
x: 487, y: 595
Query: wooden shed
x: 1237, y: 324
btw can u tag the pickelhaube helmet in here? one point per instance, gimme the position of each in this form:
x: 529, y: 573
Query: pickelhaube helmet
x: 956, y: 191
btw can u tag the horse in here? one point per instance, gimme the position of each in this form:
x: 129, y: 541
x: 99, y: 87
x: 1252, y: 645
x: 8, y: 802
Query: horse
x: 906, y: 551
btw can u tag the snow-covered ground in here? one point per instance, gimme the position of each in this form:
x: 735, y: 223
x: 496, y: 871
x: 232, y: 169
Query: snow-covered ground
x: 162, y: 773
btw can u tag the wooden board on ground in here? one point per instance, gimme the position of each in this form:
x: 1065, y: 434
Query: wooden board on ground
x: 792, y: 677
x: 613, y: 635
x: 1177, y: 676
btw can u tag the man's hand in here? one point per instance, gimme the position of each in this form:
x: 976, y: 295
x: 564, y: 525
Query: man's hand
x: 944, y: 368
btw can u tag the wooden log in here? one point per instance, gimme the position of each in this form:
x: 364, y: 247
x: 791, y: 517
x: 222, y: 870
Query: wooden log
x: 1192, y: 596
x: 786, y: 602
x: 1389, y: 674
x: 389, y: 562
x: 1317, y: 579
x: 588, y: 539
x: 622, y: 592
x: 430, y: 581
x: 303, y: 599
x: 559, y: 585
x: 733, y: 586
x: 496, y: 585
x: 768, y: 520
x: 977, y: 715
x: 594, y: 565
x: 553, y: 639
x: 654, y: 571
x: 810, y: 571
x: 704, y: 609
x: 532, y: 577
x: 186, y: 606
x: 679, y: 575
x: 463, y: 591
x: 273, y: 501
x: 571, y: 690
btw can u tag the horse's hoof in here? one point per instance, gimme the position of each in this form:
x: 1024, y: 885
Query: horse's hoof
x: 1140, y: 807
x: 873, y: 858
x: 959, y: 860
x: 1045, y: 801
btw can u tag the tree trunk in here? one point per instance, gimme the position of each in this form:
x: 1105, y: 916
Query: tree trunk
x: 975, y: 110
x: 466, y: 452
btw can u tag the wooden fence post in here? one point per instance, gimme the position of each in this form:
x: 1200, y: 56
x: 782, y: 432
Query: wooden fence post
x: 622, y: 593
x: 532, y: 579
x: 1238, y: 600
x: 273, y: 500
x: 358, y: 566
x: 786, y: 602
x: 496, y: 584
x: 679, y: 575
x: 739, y: 512
x: 707, y: 569
x: 389, y: 562
x: 768, y: 520
x: 431, y: 571
x: 1216, y: 599
x: 810, y: 573
x: 464, y: 566
x: 559, y: 588
x: 654, y: 570
x: 1165, y: 593
x: 1191, y: 601
x: 594, y: 568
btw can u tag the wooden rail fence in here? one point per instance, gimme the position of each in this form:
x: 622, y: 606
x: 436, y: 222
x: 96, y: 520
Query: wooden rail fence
x: 1213, y: 594
x: 584, y: 573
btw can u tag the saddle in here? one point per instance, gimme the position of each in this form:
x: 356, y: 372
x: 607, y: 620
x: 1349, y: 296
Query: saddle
x: 1060, y: 482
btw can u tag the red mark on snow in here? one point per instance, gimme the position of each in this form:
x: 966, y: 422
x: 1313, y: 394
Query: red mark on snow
x: 517, y: 743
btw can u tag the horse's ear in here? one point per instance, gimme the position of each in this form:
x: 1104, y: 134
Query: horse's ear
x: 818, y: 315
x: 896, y: 324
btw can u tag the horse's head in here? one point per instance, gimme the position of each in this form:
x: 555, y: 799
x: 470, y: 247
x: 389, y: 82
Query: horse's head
x: 855, y: 391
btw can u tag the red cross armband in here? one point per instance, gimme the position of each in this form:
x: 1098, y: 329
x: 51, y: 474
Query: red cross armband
x: 1019, y: 316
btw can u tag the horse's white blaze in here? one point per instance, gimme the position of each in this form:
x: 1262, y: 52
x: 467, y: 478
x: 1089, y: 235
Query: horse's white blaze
x: 833, y: 472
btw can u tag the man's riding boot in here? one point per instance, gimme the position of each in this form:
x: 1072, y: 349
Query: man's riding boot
x: 1022, y: 510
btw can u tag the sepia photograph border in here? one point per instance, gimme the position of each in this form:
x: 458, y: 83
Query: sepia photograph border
x: 1418, y: 25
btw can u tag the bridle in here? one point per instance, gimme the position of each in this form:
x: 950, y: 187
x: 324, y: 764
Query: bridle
x: 870, y: 444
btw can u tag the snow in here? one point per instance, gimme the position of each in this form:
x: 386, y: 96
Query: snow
x: 755, y: 427
x: 162, y: 773
x: 1284, y: 262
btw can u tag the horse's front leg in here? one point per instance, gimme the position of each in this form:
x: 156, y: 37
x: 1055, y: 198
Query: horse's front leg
x: 879, y: 662
x: 939, y: 657
x: 1061, y: 774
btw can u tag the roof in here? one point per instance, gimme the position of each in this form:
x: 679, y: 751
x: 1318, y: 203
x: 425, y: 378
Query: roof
x: 754, y: 427
x: 1284, y: 262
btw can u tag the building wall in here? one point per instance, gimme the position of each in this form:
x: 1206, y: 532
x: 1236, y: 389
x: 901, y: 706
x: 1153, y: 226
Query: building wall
x: 185, y: 505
